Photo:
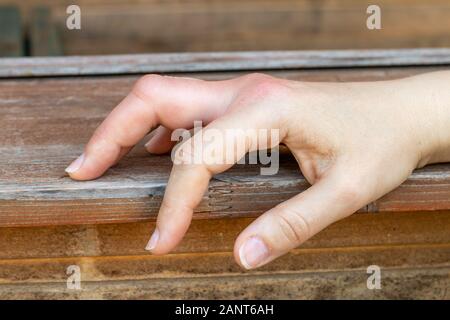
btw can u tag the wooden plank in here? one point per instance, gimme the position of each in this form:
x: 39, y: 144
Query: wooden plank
x: 129, y: 239
x: 236, y: 26
x: 220, y: 61
x: 44, y: 37
x: 175, y: 266
x: 397, y: 283
x: 224, y: 25
x: 11, y: 42
x: 35, y: 191
x: 130, y: 195
x: 112, y: 255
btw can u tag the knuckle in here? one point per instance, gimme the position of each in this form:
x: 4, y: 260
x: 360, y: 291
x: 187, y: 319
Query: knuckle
x: 256, y: 76
x: 147, y: 85
x: 350, y: 191
x: 265, y: 86
x: 293, y: 225
x: 262, y: 86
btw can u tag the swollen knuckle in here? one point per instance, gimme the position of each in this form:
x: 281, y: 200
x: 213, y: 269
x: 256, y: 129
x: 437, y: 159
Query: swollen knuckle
x: 264, y: 87
x: 293, y: 225
x: 256, y: 76
x: 147, y: 85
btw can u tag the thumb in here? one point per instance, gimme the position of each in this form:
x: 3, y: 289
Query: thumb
x: 296, y: 220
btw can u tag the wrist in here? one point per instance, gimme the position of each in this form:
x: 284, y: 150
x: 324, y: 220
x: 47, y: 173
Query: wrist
x: 435, y: 104
x: 426, y: 100
x: 441, y: 151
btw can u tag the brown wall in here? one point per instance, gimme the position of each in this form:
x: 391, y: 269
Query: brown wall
x: 221, y: 25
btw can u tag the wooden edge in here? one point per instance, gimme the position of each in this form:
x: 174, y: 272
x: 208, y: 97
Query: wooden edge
x: 129, y: 239
x: 219, y: 61
x: 427, y: 189
x: 432, y: 178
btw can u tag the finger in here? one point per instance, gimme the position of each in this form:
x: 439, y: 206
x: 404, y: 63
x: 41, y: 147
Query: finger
x: 161, y: 141
x: 122, y: 154
x: 189, y: 178
x: 172, y: 102
x: 293, y: 222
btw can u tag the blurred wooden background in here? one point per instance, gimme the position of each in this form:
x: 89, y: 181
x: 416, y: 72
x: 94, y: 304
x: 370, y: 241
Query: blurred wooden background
x: 137, y: 26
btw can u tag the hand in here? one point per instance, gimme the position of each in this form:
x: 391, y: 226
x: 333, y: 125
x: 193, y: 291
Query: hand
x: 354, y: 142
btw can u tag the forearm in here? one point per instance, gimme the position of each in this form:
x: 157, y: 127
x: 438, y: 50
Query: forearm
x: 415, y: 110
x: 418, y: 107
x: 429, y: 96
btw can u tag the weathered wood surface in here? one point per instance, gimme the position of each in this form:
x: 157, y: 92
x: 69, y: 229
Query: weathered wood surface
x: 398, y: 283
x: 43, y: 35
x: 220, y: 61
x: 214, y: 264
x: 46, y: 122
x: 411, y: 248
x: 137, y: 26
x: 217, y: 235
x: 11, y: 42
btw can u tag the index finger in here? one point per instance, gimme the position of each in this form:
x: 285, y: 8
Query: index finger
x: 173, y: 102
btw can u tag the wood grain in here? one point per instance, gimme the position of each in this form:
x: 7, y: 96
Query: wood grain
x: 110, y: 268
x: 220, y: 61
x: 33, y: 261
x: 398, y: 283
x: 46, y: 121
x: 113, y: 27
x: 129, y: 239
x: 42, y: 135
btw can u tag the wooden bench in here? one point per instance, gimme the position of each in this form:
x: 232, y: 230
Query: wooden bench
x: 49, y: 107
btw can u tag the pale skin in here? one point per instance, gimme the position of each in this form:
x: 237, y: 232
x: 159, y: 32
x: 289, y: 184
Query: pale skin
x: 354, y: 142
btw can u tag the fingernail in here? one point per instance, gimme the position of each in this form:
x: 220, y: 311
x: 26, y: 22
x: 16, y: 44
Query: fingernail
x: 74, y: 166
x: 150, y: 143
x: 253, y: 252
x: 153, y: 241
